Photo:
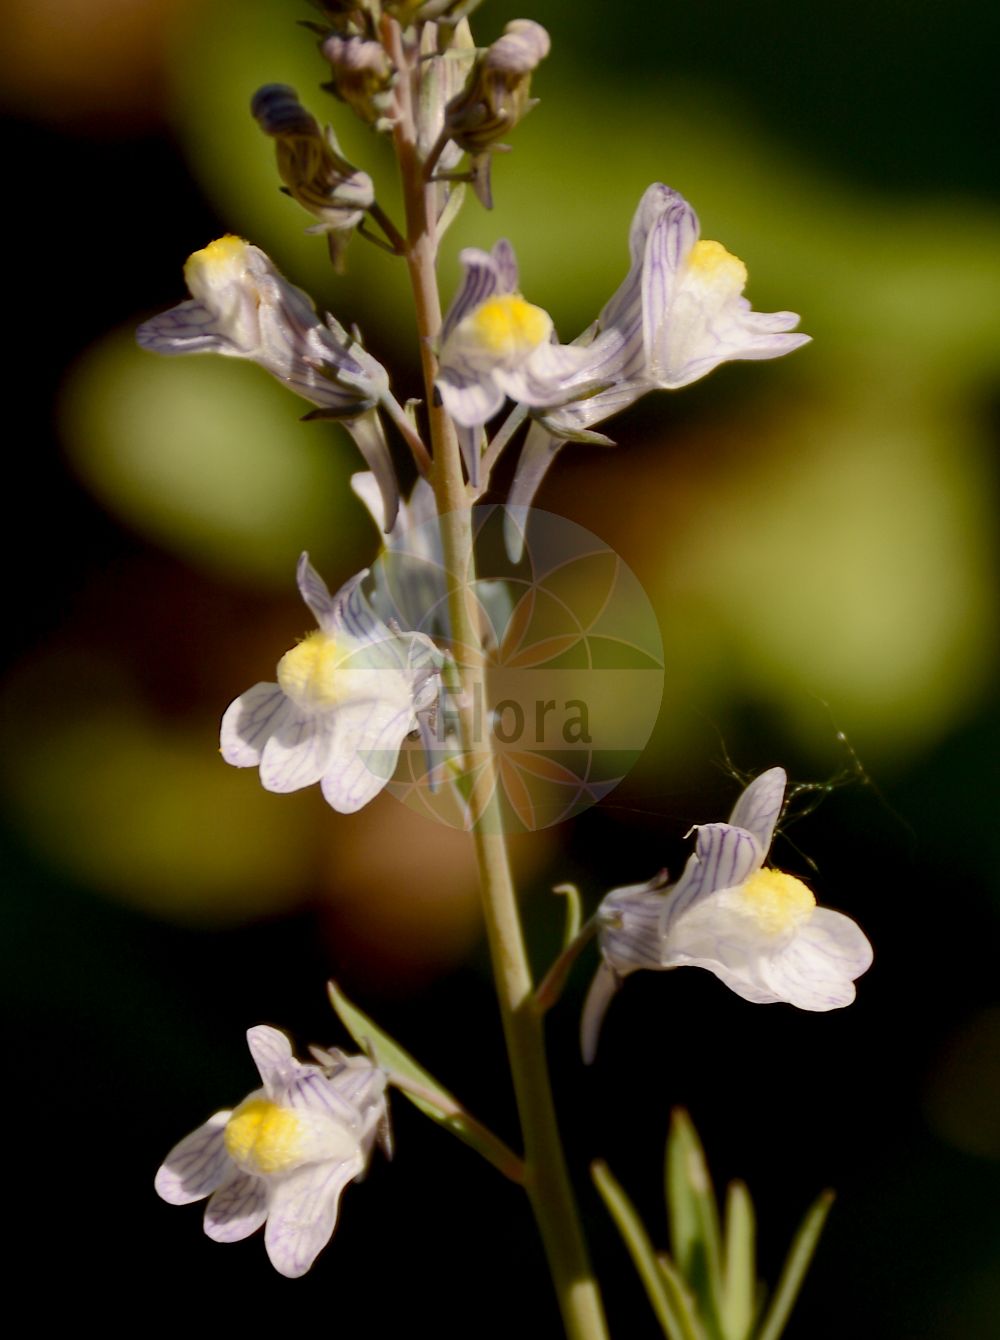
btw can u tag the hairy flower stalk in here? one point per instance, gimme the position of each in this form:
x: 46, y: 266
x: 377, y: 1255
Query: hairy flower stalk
x: 546, y: 1177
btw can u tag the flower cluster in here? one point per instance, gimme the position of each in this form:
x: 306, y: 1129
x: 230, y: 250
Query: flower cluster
x: 679, y: 313
x: 285, y: 1154
x: 757, y: 929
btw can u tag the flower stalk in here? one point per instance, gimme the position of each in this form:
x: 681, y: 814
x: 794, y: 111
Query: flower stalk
x: 546, y: 1177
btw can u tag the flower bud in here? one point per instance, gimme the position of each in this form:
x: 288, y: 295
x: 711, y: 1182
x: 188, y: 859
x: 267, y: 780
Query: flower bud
x: 497, y: 96
x: 311, y: 166
x: 362, y: 77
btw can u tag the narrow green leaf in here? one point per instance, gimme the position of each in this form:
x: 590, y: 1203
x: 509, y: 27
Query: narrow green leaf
x: 664, y: 1288
x: 421, y: 1088
x: 796, y: 1264
x: 739, y: 1269
x: 694, y: 1219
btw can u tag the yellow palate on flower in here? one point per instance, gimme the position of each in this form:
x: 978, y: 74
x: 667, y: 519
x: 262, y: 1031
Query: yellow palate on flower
x: 777, y: 901
x: 262, y: 1137
x: 309, y: 674
x: 508, y: 326
x: 711, y: 263
x: 224, y: 253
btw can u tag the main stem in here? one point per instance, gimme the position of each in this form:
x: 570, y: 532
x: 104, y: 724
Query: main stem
x: 546, y: 1177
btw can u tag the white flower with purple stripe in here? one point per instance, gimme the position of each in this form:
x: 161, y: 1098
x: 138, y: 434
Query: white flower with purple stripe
x: 678, y: 314
x: 243, y: 307
x: 758, y: 930
x: 347, y: 696
x: 494, y: 345
x: 285, y: 1154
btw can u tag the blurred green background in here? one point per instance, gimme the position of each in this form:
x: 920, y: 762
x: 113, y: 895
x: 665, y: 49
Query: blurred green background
x: 818, y: 536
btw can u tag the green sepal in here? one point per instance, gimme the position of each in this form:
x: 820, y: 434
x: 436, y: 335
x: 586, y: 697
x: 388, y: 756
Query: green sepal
x: 666, y: 1291
x: 421, y: 1088
x: 796, y: 1264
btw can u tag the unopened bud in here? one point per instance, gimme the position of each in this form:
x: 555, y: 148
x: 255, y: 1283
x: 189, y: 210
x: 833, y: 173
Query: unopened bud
x: 363, y: 76
x: 310, y: 164
x: 497, y: 96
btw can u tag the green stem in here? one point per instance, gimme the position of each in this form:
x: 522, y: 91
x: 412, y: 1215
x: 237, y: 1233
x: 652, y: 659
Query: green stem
x: 546, y: 1177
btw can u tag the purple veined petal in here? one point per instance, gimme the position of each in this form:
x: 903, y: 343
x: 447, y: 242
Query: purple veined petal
x: 759, y: 806
x: 723, y: 858
x: 739, y: 977
x: 630, y: 936
x: 624, y: 310
x: 196, y: 1165
x: 310, y: 1089
x: 314, y: 591
x: 758, y: 346
x: 303, y: 1213
x: 237, y: 1209
x: 356, y: 1079
x: 298, y: 753
x: 602, y: 991
x: 670, y: 239
x: 470, y: 398
x: 551, y: 375
x: 376, y: 645
x: 188, y: 328
x: 367, y: 740
x: 486, y: 274
x: 816, y: 971
x: 506, y: 266
x: 716, y: 935
x: 272, y: 1055
x: 770, y: 323
x: 248, y: 723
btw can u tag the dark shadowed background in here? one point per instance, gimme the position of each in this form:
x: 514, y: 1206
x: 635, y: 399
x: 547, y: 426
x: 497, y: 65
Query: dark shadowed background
x: 818, y: 536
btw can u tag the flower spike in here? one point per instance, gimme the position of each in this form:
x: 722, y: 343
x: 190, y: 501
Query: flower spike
x: 678, y: 314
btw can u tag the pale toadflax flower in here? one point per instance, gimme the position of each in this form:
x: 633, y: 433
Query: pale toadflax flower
x: 242, y: 307
x: 678, y: 314
x: 758, y: 930
x: 347, y: 696
x: 285, y: 1154
x: 495, y: 345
